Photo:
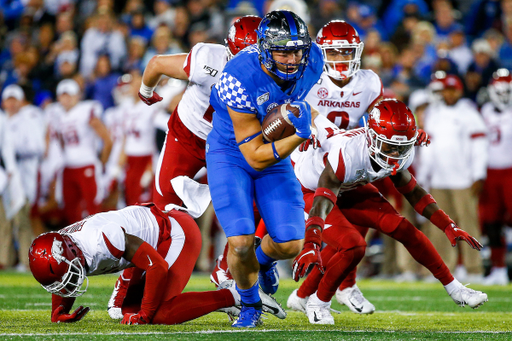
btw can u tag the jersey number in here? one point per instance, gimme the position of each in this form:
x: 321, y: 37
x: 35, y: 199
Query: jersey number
x: 339, y: 118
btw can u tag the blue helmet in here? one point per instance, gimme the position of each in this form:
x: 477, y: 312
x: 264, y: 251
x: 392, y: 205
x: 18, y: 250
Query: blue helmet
x: 283, y: 31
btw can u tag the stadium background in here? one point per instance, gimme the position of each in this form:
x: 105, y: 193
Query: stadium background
x: 406, y: 41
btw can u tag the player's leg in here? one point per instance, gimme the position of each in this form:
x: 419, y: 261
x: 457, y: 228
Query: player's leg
x: 71, y: 195
x: 88, y: 189
x: 280, y: 204
x: 181, y: 154
x: 135, y: 168
x: 234, y: 208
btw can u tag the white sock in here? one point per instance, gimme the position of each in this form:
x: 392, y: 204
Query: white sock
x: 452, y: 286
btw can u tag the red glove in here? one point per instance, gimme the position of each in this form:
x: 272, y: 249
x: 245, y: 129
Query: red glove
x: 139, y: 318
x: 58, y: 314
x: 312, y: 141
x: 454, y: 233
x: 423, y: 139
x: 152, y: 100
x: 306, y: 261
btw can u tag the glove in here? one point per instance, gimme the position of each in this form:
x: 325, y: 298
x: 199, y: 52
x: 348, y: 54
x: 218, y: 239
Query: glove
x: 306, y: 261
x: 59, y: 316
x: 454, y: 233
x: 151, y: 100
x: 139, y: 318
x: 313, y: 142
x: 302, y: 123
x: 423, y: 139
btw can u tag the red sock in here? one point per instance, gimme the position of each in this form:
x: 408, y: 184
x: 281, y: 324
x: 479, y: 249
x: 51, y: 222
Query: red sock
x: 422, y: 250
x: 340, y: 265
x: 261, y: 230
x: 190, y: 305
x: 310, y: 284
x: 349, y: 281
x: 498, y: 255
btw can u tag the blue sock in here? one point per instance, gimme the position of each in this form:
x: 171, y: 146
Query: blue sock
x: 250, y: 297
x: 264, y: 260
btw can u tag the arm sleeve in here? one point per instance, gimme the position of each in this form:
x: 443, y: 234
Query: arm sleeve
x: 233, y: 94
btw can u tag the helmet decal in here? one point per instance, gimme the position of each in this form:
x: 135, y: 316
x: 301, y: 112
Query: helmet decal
x: 57, y: 250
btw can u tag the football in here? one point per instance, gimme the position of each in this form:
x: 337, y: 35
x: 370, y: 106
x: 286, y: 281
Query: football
x: 276, y: 125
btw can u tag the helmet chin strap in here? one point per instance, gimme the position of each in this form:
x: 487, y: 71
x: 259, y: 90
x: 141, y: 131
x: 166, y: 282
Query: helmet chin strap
x: 395, y: 168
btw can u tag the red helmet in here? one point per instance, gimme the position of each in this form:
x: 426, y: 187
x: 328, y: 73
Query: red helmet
x: 391, y: 132
x: 338, y: 39
x: 242, y: 34
x: 452, y: 81
x: 500, y: 89
x: 58, y: 264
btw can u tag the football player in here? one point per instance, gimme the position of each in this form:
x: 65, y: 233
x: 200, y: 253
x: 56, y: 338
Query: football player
x: 336, y: 180
x: 161, y: 246
x: 183, y: 152
x: 496, y: 197
x: 281, y: 68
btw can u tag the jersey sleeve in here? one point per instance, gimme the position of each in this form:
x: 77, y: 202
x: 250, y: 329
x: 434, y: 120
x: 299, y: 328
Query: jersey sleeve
x: 376, y: 89
x: 191, y: 62
x: 233, y: 94
x: 337, y: 162
x: 96, y: 110
x: 114, y: 239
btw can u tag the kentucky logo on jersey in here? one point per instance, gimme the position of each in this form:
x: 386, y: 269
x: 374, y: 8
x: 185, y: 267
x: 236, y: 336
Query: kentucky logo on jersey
x: 263, y: 98
x: 209, y: 70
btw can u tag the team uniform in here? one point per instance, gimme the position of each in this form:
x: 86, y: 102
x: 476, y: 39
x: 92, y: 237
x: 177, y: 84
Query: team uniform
x: 345, y: 106
x: 275, y: 189
x: 139, y: 127
x: 80, y: 159
x: 191, y: 122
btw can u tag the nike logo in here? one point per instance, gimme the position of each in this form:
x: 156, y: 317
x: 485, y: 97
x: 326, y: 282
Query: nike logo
x: 272, y: 310
x: 150, y: 262
x: 307, y: 253
x: 316, y: 319
x: 356, y: 308
x: 356, y: 93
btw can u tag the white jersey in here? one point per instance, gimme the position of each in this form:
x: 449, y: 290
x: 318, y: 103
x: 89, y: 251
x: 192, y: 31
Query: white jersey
x: 80, y: 139
x: 204, y: 65
x: 139, y: 128
x: 347, y: 153
x: 101, y: 237
x: 499, y: 126
x: 345, y: 106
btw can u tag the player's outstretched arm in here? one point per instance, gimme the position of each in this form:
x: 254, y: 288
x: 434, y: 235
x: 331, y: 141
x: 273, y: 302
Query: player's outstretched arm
x: 168, y: 65
x: 258, y: 155
x: 325, y: 198
x: 145, y: 257
x: 426, y: 205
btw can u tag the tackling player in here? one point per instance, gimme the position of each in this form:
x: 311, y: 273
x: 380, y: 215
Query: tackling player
x: 336, y: 183
x: 161, y: 246
x: 282, y: 68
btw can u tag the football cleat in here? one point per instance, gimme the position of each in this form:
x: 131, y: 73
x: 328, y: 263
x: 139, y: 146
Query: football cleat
x: 271, y: 306
x: 466, y: 296
x: 220, y: 272
x: 319, y: 312
x: 269, y: 279
x: 249, y: 317
x: 297, y: 303
x: 353, y: 298
x: 116, y: 299
x: 232, y: 311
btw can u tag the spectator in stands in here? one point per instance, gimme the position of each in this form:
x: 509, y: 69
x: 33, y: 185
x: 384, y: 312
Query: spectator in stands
x: 104, y: 81
x: 138, y: 26
x: 398, y: 9
x: 480, y: 71
x: 459, y: 50
x: 161, y: 43
x: 505, y: 52
x: 454, y: 168
x: 101, y: 38
x: 483, y: 15
x: 444, y: 19
x: 165, y: 14
x: 136, y: 51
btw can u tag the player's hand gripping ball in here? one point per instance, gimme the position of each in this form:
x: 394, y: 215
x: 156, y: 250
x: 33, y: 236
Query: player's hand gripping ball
x: 276, y: 125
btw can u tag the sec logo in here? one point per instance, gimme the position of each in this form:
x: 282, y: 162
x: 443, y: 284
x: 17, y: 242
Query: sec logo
x: 322, y: 93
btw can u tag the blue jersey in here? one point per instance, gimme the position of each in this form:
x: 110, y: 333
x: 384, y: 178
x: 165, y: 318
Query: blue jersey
x: 246, y: 88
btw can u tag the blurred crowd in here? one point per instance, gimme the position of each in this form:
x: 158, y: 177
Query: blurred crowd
x: 102, y: 48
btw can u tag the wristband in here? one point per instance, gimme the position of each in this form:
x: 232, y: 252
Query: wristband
x: 440, y: 219
x: 276, y: 154
x: 407, y: 188
x: 426, y: 200
x: 146, y: 91
x: 313, y: 235
x: 326, y: 193
x: 315, y: 221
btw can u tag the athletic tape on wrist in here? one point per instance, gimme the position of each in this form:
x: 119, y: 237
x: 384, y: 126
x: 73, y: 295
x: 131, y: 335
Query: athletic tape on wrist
x: 409, y: 187
x: 146, y: 91
x: 426, y: 200
x: 440, y: 219
x: 326, y: 193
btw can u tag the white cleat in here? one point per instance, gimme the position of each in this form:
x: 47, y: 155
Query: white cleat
x: 318, y: 312
x: 498, y: 276
x: 353, y: 298
x: 270, y: 305
x: 296, y: 303
x: 466, y: 296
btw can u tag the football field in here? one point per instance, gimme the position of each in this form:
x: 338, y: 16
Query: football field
x: 415, y: 311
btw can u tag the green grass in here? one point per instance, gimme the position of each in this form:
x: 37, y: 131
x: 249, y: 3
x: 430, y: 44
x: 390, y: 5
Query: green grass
x: 404, y: 312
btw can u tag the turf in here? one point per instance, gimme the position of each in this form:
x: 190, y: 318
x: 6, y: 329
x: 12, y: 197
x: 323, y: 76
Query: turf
x: 404, y: 312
